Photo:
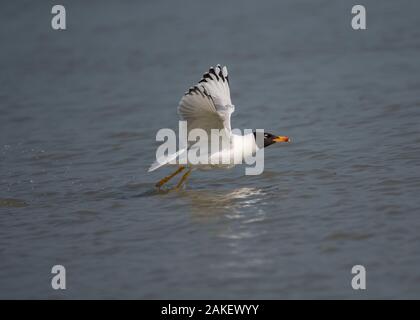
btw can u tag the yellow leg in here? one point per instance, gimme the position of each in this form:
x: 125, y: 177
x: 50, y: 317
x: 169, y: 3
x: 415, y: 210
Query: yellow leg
x: 183, y: 179
x: 167, y: 178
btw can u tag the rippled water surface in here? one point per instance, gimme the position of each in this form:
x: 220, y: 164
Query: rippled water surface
x: 80, y: 109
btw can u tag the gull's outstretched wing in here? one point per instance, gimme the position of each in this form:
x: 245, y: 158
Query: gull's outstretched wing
x: 207, y: 105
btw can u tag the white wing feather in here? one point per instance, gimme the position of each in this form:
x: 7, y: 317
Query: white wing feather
x: 207, y: 105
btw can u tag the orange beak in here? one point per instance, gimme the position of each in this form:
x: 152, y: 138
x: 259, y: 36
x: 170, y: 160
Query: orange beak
x: 281, y: 139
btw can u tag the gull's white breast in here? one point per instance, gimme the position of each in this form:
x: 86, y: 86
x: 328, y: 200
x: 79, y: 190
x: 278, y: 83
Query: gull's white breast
x: 241, y: 148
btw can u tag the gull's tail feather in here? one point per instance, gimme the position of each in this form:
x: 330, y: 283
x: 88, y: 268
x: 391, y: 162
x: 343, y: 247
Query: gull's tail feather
x: 165, y: 160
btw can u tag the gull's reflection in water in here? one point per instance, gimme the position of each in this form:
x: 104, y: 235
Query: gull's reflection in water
x: 237, y: 216
x: 234, y: 204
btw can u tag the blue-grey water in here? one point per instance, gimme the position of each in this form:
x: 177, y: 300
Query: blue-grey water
x: 80, y: 108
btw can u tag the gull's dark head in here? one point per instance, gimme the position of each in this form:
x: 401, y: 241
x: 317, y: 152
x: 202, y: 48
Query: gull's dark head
x: 269, y: 138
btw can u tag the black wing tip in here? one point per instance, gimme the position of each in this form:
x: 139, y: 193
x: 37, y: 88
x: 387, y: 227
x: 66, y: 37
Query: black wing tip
x: 197, y: 90
x: 213, y: 71
x: 218, y: 72
x: 191, y: 90
x: 205, y: 77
